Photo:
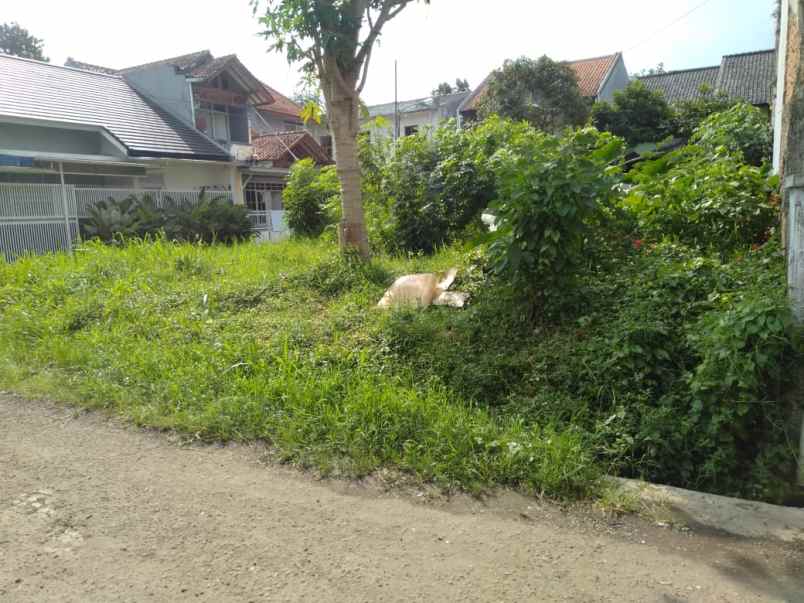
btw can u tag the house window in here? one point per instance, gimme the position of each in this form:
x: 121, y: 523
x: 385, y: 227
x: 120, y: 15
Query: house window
x: 411, y: 130
x: 264, y: 195
x: 213, y: 120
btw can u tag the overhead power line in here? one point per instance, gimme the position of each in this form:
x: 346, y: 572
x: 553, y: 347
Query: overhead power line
x: 669, y: 25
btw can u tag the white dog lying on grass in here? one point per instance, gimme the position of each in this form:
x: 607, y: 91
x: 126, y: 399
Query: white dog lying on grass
x: 422, y: 290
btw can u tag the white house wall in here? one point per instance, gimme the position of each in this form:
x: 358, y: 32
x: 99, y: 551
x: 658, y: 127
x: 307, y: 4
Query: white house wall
x: 617, y: 81
x: 23, y: 137
x: 420, y: 119
x: 188, y: 175
x: 162, y: 84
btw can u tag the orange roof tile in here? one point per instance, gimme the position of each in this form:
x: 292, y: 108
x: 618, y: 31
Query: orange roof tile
x: 274, y: 147
x: 282, y: 104
x: 590, y: 73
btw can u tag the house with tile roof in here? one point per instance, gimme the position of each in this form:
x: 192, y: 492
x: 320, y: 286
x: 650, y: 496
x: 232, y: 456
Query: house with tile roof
x: 749, y: 76
x: 413, y: 115
x: 182, y: 124
x: 598, y: 79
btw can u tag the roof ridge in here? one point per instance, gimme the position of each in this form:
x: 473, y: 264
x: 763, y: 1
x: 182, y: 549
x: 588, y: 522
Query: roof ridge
x: 602, y: 56
x: 168, y: 60
x: 741, y: 54
x: 76, y: 64
x: 674, y: 71
x: 47, y: 64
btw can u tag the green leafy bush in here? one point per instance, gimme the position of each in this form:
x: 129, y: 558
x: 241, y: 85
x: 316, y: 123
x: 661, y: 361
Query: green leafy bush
x: 673, y: 366
x: 309, y: 193
x: 637, y: 114
x: 549, y: 192
x: 430, y: 188
x: 743, y: 129
x: 209, y: 220
x: 709, y: 200
x: 420, y: 220
x: 688, y: 115
x: 542, y: 92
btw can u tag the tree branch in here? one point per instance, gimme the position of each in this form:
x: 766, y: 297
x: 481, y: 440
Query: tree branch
x: 387, y: 12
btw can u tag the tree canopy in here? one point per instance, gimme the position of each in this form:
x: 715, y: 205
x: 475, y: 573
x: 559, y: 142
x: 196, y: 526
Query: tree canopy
x: 333, y: 40
x: 542, y: 92
x: 445, y: 88
x: 19, y: 42
x: 637, y: 114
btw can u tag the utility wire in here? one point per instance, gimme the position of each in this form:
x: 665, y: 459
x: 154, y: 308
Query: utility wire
x: 669, y: 25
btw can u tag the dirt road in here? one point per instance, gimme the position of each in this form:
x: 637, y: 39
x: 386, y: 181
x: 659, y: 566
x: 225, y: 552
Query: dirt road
x: 92, y: 510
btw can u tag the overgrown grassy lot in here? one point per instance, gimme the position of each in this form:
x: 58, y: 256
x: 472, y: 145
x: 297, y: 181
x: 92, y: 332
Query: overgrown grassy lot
x: 633, y: 374
x: 276, y: 342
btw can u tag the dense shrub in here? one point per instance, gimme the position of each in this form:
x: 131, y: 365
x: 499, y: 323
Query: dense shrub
x: 211, y: 219
x: 430, y: 188
x: 688, y: 115
x: 307, y: 197
x: 674, y: 365
x: 742, y: 129
x: 208, y: 221
x: 708, y: 199
x: 637, y: 114
x: 549, y: 192
x: 542, y: 92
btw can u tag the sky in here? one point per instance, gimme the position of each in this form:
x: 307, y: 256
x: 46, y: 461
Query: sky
x: 442, y: 41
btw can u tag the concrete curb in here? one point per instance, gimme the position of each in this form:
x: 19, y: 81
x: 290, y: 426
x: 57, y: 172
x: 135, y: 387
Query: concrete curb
x: 735, y: 516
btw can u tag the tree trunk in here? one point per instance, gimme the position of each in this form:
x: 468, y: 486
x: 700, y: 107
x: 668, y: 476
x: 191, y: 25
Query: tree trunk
x: 345, y: 124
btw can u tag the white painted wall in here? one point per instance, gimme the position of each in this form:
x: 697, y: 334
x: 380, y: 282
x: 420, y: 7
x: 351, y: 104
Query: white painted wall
x: 169, y: 89
x: 420, y: 119
x: 617, y: 81
x: 46, y: 139
x: 190, y: 176
x: 781, y: 72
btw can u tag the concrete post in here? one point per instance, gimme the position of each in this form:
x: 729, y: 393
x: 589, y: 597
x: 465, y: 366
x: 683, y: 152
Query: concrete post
x: 794, y: 194
x: 788, y: 160
x: 236, y: 186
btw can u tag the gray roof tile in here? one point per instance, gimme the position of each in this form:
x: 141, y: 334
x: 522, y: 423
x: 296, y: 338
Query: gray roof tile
x: 749, y: 76
x: 31, y: 89
x: 681, y: 85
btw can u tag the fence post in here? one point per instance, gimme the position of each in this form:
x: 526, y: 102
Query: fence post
x: 66, y: 208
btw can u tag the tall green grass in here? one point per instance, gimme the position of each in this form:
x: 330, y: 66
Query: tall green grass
x: 273, y: 342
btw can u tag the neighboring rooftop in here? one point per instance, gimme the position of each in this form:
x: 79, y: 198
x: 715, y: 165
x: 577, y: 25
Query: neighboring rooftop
x: 590, y: 73
x: 748, y: 75
x: 282, y: 146
x: 449, y: 102
x: 71, y: 62
x: 201, y: 65
x: 36, y: 90
x: 282, y: 104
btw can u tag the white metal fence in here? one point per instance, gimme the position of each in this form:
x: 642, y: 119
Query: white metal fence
x: 42, y: 218
x: 87, y: 197
x: 36, y: 218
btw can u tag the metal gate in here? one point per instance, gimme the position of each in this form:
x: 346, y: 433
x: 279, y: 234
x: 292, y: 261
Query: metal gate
x: 37, y: 218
